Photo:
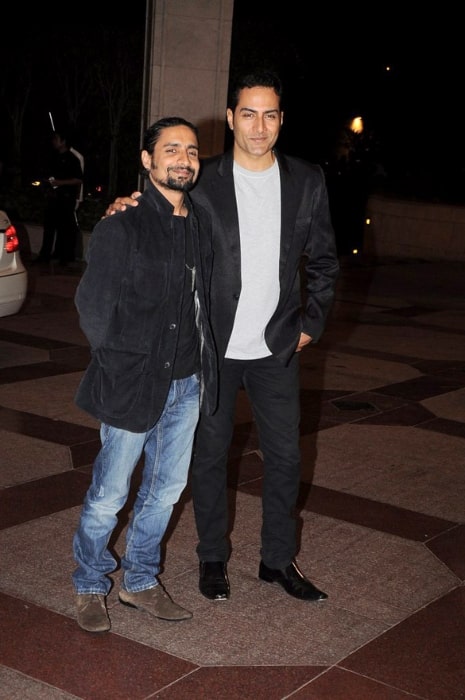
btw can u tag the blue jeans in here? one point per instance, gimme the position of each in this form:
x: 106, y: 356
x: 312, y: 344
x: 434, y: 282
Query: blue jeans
x: 167, y: 449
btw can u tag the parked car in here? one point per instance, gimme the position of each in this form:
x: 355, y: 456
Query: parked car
x: 13, y: 274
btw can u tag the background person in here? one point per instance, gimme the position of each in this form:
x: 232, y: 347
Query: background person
x: 271, y: 219
x: 79, y: 250
x: 143, y: 307
x: 65, y: 177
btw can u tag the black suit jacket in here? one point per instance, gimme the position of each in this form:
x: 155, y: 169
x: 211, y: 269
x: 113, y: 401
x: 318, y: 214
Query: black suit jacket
x: 307, y: 244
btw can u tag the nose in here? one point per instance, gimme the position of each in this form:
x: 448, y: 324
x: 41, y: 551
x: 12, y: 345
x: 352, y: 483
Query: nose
x: 261, y: 124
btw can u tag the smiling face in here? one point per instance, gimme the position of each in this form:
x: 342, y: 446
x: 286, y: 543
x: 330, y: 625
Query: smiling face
x: 256, y: 123
x: 174, y: 164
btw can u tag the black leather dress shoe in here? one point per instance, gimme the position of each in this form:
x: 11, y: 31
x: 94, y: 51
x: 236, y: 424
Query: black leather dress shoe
x: 292, y: 580
x: 213, y: 580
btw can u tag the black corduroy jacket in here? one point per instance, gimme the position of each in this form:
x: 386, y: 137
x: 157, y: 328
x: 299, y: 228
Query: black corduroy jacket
x: 129, y: 302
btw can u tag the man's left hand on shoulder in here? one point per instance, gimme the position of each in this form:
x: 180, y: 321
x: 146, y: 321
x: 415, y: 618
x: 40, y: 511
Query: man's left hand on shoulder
x: 121, y: 203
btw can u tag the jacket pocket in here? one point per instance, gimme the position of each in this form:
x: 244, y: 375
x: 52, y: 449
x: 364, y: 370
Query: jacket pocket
x: 119, y: 380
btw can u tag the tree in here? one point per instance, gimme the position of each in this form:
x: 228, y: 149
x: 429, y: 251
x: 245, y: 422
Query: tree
x: 15, y: 90
x: 121, y: 94
x: 82, y: 77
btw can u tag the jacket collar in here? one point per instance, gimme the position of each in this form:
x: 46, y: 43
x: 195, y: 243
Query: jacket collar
x: 155, y: 197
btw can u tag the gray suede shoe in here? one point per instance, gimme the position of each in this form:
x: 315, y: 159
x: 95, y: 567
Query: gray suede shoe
x: 92, y: 614
x: 155, y: 601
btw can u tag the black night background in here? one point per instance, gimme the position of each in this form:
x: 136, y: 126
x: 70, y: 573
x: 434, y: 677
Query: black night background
x: 402, y: 72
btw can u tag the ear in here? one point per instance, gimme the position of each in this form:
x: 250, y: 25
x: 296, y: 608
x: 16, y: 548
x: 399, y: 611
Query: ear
x: 282, y: 118
x: 230, y: 118
x: 146, y: 160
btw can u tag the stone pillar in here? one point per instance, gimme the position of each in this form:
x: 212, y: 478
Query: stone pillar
x: 187, y: 65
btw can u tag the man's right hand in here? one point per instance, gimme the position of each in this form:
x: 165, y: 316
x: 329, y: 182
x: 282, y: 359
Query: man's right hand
x: 121, y: 203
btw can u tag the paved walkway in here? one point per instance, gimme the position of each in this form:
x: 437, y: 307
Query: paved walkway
x: 382, y: 513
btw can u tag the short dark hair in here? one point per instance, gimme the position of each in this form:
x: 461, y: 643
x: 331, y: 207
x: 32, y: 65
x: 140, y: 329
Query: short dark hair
x: 60, y: 134
x: 152, y: 134
x: 259, y: 78
x: 66, y: 133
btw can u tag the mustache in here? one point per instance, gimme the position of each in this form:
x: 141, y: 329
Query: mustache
x: 181, y: 167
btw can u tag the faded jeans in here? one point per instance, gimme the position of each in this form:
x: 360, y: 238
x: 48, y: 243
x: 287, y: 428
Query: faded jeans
x: 167, y: 449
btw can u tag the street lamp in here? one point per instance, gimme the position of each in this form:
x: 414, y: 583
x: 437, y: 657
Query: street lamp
x: 356, y: 125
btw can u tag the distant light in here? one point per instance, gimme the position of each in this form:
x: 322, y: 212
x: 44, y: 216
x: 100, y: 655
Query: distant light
x: 368, y: 221
x: 356, y: 125
x: 387, y: 69
x: 355, y: 251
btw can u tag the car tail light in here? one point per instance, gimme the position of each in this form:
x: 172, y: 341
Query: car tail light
x: 11, y: 240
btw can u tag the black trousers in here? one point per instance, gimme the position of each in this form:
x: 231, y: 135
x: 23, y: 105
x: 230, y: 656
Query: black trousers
x: 273, y: 392
x: 60, y: 230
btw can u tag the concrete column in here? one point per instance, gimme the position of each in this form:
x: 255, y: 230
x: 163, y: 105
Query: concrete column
x: 187, y: 65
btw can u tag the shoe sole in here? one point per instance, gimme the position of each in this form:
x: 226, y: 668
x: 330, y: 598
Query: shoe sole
x: 99, y: 631
x: 319, y: 599
x: 216, y: 599
x: 147, y: 611
x: 130, y: 605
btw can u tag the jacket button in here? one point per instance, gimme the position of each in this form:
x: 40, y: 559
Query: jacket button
x: 167, y: 365
x: 236, y: 296
x: 172, y: 326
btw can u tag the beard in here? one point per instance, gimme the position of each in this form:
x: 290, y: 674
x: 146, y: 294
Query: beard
x: 176, y: 182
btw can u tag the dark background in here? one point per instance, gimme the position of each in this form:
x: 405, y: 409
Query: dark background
x: 333, y: 62
x: 84, y: 64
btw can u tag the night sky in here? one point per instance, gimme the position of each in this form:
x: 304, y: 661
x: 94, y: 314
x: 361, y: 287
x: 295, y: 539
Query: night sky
x: 333, y: 62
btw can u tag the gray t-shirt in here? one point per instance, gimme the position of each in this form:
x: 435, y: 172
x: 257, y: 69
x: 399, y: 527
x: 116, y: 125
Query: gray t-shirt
x: 258, y: 196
